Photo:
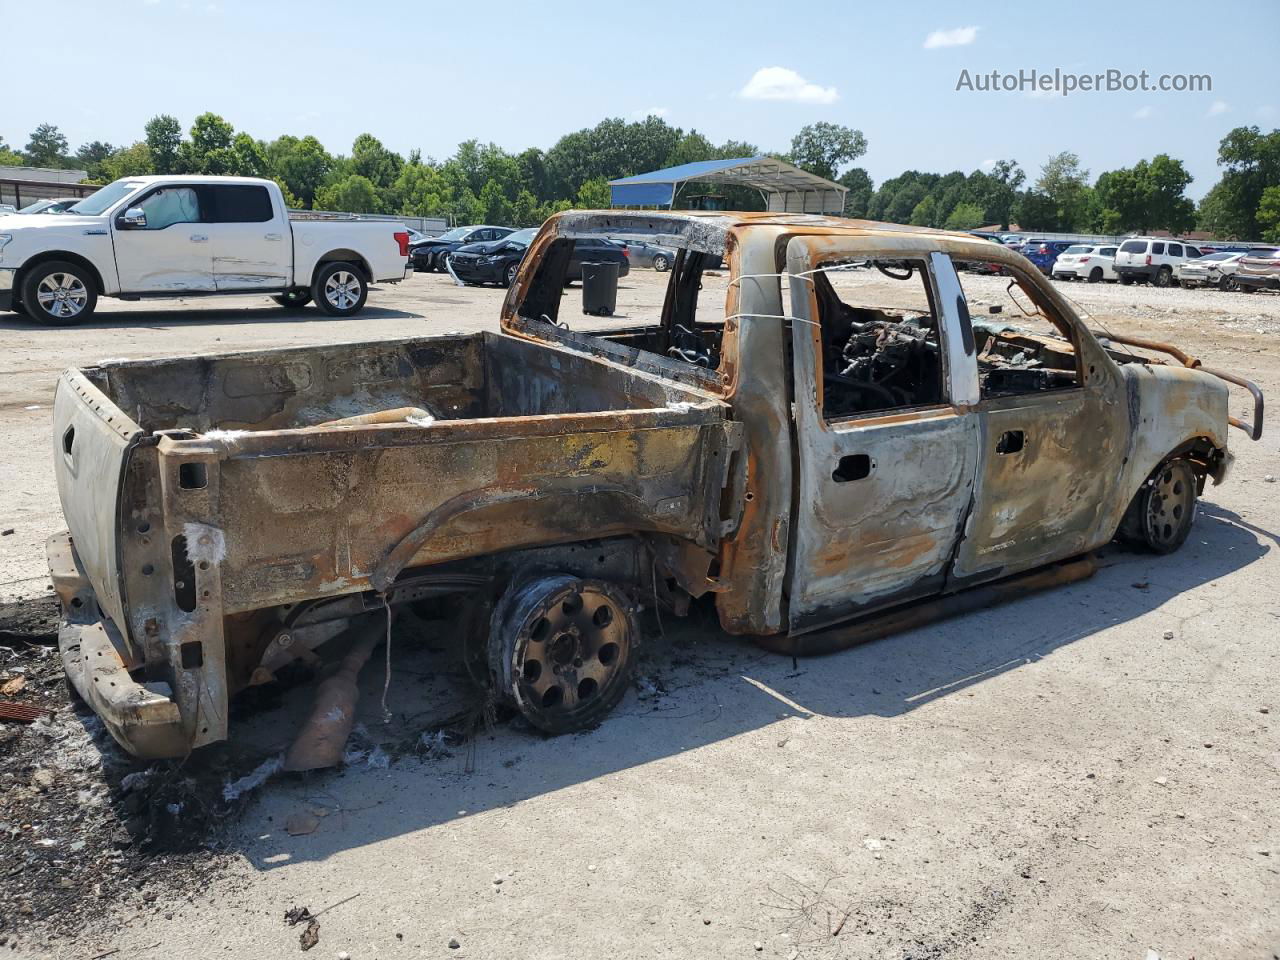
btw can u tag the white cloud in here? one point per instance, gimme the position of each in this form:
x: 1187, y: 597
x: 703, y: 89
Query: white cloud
x: 1217, y: 107
x: 956, y: 37
x: 988, y: 164
x: 781, y: 83
x: 649, y: 112
x: 1142, y: 113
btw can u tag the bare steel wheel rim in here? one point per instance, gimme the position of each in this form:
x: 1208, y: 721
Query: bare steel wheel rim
x: 569, y: 653
x: 1171, y: 504
x: 62, y: 295
x: 342, y: 289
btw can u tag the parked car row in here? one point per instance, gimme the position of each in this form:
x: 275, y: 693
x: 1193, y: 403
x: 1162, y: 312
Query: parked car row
x: 429, y: 255
x: 498, y: 261
x: 1160, y: 261
x: 489, y: 254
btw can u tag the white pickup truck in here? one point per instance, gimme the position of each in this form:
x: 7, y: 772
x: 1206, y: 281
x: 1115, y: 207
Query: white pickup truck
x: 178, y: 236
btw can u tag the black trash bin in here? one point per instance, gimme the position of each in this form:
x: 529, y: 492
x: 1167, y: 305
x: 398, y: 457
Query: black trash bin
x: 599, y: 289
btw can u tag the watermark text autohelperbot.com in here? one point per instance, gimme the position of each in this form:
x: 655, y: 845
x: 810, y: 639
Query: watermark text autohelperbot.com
x: 1065, y: 83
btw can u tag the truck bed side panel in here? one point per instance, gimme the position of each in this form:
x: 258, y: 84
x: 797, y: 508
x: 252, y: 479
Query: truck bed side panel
x: 335, y: 520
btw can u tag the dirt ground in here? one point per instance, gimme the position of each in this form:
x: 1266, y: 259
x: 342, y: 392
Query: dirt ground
x: 1090, y: 772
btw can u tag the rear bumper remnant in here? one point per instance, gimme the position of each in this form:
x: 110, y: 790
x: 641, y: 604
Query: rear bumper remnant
x: 143, y: 717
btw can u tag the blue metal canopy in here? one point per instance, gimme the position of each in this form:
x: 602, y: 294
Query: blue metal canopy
x: 785, y: 186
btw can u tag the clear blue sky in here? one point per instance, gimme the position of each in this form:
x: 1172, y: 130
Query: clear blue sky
x: 429, y: 74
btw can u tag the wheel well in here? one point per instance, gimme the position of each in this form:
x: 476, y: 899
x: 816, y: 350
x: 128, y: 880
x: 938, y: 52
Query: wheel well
x: 63, y: 255
x: 1205, y: 456
x: 345, y: 256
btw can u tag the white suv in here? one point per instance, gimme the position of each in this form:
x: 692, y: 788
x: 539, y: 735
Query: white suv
x: 1086, y: 261
x: 1151, y: 260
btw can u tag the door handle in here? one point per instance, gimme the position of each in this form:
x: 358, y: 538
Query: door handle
x: 855, y: 466
x: 274, y: 236
x: 1011, y: 441
x: 198, y: 238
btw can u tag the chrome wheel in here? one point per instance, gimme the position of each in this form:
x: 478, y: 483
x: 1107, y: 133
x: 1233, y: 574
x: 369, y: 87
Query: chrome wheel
x: 512, y: 272
x: 342, y: 289
x: 560, y: 649
x: 62, y: 295
x: 1170, y: 506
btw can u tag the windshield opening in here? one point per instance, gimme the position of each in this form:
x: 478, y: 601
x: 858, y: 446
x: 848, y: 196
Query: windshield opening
x: 98, y: 203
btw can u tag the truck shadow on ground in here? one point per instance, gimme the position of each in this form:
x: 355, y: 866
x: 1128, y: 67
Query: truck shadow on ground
x: 194, y: 316
x: 697, y: 686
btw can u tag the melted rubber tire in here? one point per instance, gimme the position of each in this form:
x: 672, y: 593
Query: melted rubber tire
x: 562, y: 650
x: 1163, y: 511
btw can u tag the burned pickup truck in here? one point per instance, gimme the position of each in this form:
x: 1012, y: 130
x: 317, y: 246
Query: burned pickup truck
x: 856, y: 425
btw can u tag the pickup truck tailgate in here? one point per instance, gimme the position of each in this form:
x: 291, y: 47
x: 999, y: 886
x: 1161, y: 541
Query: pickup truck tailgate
x: 92, y: 442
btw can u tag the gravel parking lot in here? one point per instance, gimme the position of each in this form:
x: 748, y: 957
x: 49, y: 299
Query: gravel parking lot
x: 1097, y: 764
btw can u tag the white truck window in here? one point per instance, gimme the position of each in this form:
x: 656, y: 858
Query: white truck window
x: 239, y: 203
x: 170, y: 205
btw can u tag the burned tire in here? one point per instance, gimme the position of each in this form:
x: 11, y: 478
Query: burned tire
x: 562, y: 650
x: 339, y: 289
x: 1161, y: 515
x: 58, y: 293
x: 293, y: 299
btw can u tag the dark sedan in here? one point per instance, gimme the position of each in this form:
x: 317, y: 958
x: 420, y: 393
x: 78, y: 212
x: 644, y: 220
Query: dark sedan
x: 428, y: 255
x: 499, y: 261
x: 496, y: 261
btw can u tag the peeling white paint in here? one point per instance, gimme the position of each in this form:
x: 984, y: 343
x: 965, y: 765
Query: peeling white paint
x: 426, y: 421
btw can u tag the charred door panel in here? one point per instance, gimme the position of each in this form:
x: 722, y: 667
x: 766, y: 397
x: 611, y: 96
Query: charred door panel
x: 881, y: 497
x: 1050, y: 463
x: 1052, y: 459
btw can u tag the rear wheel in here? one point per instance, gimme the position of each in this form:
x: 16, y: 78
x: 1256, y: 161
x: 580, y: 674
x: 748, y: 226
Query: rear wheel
x: 561, y: 649
x: 661, y: 263
x: 1227, y: 283
x: 1163, y: 277
x: 293, y: 299
x: 1162, y: 513
x: 1095, y: 275
x: 59, y: 293
x: 1125, y: 279
x: 339, y: 289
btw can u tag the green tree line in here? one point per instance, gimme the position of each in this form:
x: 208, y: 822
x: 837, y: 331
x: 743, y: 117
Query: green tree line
x: 485, y: 183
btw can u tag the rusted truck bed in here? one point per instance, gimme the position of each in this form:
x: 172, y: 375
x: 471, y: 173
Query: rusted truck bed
x: 202, y: 490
